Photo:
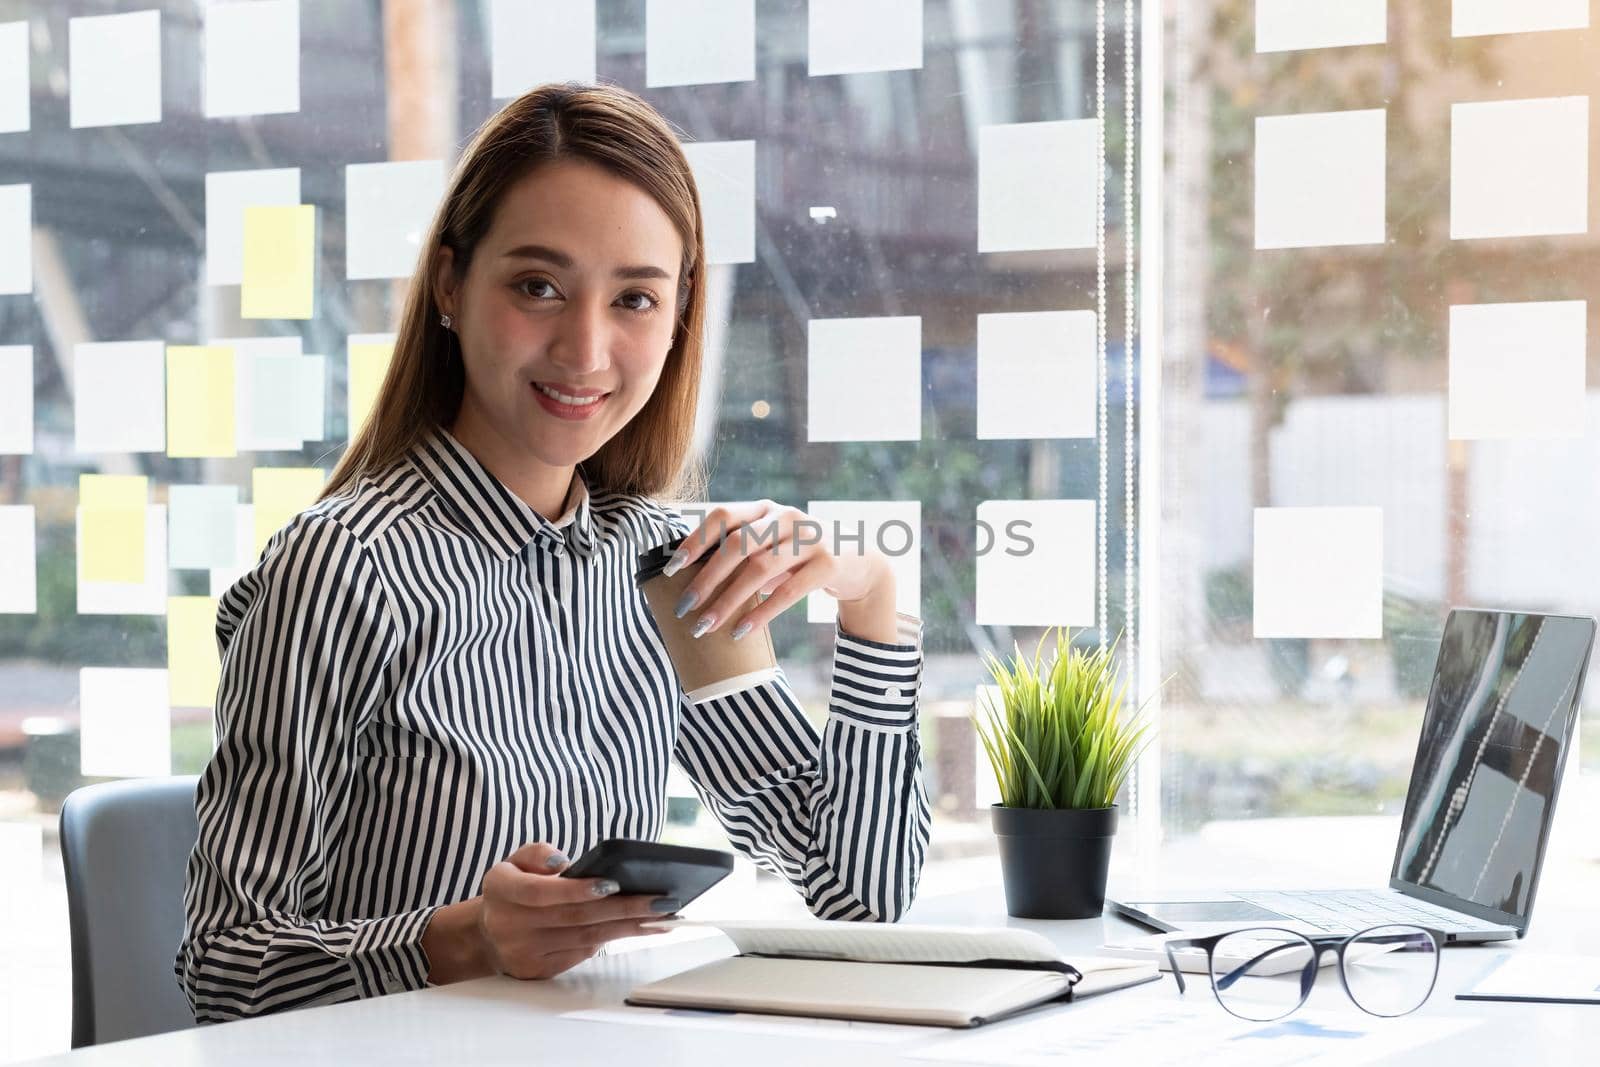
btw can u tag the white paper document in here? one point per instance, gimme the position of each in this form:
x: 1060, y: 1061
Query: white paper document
x: 1196, y: 1032
x: 1540, y: 977
x: 792, y: 1027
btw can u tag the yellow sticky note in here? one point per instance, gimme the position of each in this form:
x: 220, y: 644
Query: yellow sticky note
x: 368, y: 364
x: 193, y: 665
x: 200, y: 401
x: 280, y: 255
x: 281, y: 493
x: 111, y: 526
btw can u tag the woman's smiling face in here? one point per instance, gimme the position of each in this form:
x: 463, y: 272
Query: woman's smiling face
x: 573, y: 288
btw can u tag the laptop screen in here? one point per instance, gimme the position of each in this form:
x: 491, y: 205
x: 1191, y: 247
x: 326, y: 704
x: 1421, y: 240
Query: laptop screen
x: 1483, y: 787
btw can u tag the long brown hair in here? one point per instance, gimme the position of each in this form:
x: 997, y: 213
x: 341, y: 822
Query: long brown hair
x: 602, y: 124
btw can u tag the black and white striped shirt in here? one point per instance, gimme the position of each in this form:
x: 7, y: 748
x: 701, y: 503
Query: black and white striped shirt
x: 422, y: 675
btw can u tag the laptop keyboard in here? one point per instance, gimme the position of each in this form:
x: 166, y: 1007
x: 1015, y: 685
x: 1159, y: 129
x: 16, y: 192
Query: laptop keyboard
x: 1347, y: 911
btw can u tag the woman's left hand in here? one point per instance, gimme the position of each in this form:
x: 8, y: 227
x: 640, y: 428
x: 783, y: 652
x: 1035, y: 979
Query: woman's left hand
x: 772, y: 549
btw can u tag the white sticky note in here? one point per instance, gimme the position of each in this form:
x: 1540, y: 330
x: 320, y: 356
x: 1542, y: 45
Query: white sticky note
x: 725, y: 172
x: 1473, y: 18
x: 252, y: 58
x: 1518, y: 370
x: 1320, y: 179
x: 202, y: 526
x: 228, y: 193
x: 1519, y: 168
x: 1036, y: 185
x: 864, y: 379
x: 1036, y: 563
x: 129, y: 598
x: 532, y: 42
x: 19, y: 581
x: 1288, y: 25
x: 860, y: 36
x: 244, y: 541
x: 14, y: 77
x: 115, y: 63
x: 985, y: 787
x: 388, y: 208
x: 16, y: 239
x: 1037, y: 375
x: 1319, y: 572
x: 892, y: 527
x: 698, y: 42
x: 119, y: 398
x: 16, y: 400
x: 267, y: 390
x: 125, y: 722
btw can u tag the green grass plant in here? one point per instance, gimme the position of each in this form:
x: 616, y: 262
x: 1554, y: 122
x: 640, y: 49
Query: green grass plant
x: 1062, y: 736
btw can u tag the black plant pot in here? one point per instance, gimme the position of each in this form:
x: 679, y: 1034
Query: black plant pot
x: 1055, y: 860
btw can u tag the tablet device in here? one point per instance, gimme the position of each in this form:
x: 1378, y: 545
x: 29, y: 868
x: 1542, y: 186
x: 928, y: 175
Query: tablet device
x: 652, y: 868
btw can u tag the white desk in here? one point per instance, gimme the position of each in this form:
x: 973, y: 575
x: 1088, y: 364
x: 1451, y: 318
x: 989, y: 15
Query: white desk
x: 502, y: 1020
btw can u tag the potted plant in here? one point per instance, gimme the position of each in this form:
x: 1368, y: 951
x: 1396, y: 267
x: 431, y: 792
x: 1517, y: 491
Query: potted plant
x: 1060, y: 744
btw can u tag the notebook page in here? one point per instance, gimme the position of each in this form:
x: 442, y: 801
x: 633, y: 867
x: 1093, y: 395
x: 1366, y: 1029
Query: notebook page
x: 882, y: 943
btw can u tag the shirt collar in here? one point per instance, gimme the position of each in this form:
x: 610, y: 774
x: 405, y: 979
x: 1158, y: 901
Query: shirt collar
x: 489, y: 509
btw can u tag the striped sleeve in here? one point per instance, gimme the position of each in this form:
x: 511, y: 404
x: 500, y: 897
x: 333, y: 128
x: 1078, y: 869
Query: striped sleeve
x: 841, y: 814
x: 312, y: 643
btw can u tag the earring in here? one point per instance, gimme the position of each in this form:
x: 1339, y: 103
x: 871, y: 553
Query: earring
x: 445, y: 320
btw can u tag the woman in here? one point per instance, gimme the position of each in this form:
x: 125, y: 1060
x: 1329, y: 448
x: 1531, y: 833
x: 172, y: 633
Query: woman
x: 440, y: 682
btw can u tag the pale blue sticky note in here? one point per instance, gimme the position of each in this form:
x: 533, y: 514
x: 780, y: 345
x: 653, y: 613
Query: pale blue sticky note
x: 312, y: 406
x: 202, y: 526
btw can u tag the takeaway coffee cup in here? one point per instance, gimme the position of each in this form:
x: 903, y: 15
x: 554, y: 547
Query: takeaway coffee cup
x: 713, y: 665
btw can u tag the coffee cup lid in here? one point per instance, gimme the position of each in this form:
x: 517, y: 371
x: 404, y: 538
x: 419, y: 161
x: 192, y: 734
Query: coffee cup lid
x: 652, y: 562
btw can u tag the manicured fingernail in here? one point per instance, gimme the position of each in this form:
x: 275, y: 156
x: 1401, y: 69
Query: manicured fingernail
x: 556, y: 859
x: 740, y: 630
x: 605, y: 887
x: 685, y: 603
x: 675, y: 564
x: 703, y: 625
x: 665, y: 905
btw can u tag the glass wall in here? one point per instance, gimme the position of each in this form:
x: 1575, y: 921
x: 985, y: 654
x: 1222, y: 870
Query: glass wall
x: 912, y: 179
x: 1376, y: 398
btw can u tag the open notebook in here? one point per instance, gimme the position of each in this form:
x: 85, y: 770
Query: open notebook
x: 932, y: 975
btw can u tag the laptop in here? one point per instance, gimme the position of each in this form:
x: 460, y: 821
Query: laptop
x: 1495, y: 734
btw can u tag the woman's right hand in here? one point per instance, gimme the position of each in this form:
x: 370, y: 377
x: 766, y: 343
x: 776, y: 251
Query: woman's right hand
x: 533, y: 923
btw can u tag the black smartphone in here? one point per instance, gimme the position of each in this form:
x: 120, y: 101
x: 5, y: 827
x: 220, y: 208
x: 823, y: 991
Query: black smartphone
x: 654, y: 868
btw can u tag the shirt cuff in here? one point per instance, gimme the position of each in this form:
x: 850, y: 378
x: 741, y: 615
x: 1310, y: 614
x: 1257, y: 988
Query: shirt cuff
x: 875, y: 683
x: 386, y: 954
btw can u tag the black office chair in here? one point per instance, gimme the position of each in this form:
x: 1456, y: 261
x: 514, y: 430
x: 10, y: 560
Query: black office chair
x: 124, y: 847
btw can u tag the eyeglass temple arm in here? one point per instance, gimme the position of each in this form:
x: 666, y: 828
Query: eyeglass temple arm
x: 1172, y: 957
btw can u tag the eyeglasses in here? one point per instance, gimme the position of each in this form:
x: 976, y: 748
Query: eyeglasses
x: 1266, y: 972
